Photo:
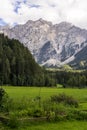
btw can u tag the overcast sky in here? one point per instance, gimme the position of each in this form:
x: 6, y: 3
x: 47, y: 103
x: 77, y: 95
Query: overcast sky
x: 14, y: 12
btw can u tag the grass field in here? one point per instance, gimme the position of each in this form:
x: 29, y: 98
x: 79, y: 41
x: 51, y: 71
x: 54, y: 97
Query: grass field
x: 68, y: 125
x: 31, y: 92
x: 75, y: 125
x: 19, y: 93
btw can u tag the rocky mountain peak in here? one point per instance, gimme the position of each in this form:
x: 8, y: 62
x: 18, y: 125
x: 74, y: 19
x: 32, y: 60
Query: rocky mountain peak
x: 50, y: 44
x: 63, y: 26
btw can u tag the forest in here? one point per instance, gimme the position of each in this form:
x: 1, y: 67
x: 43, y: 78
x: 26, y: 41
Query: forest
x: 70, y: 79
x: 18, y: 67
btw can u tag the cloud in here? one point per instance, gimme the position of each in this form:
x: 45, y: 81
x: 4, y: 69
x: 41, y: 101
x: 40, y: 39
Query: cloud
x: 2, y: 22
x: 20, y: 11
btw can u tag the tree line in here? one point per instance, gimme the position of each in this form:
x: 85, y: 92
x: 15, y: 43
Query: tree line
x: 70, y: 78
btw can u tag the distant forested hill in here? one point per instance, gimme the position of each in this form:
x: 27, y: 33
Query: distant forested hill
x: 18, y: 67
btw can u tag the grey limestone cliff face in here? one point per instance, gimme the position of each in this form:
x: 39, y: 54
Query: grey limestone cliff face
x: 50, y: 44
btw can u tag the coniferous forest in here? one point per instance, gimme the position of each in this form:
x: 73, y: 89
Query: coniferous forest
x: 18, y: 67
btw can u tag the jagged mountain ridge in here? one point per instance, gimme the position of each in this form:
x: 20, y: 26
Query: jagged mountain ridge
x: 51, y: 45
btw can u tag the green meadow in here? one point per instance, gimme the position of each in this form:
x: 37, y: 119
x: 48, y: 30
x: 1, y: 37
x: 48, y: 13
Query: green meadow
x: 74, y: 125
x: 31, y: 92
x: 68, y: 125
x: 21, y: 95
x: 25, y: 93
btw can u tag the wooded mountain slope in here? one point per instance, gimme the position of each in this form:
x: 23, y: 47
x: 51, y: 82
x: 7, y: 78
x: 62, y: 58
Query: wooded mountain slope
x: 17, y: 66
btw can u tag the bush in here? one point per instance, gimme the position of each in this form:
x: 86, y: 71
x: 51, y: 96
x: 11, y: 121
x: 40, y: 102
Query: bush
x: 3, y: 100
x: 68, y: 100
x: 38, y: 112
x: 30, y: 112
x: 50, y: 115
x: 2, y: 93
x: 76, y: 115
x: 54, y: 111
x: 13, y: 122
x: 82, y: 115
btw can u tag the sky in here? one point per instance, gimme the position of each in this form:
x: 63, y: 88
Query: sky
x: 13, y: 12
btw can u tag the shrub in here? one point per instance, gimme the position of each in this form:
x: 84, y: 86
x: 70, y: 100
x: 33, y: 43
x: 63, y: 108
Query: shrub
x: 29, y: 112
x: 2, y: 93
x: 78, y: 115
x: 3, y: 100
x: 54, y: 111
x: 23, y: 113
x: 38, y: 112
x: 82, y: 115
x: 68, y: 100
x: 13, y: 121
x: 50, y: 115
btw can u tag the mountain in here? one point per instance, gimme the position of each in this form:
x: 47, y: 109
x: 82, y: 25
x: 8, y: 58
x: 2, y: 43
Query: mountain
x: 51, y: 45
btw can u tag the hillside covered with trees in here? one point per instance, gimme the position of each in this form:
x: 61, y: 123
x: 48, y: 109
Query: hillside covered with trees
x: 18, y: 67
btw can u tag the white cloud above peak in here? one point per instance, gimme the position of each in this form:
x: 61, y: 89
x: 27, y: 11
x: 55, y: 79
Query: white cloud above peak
x: 56, y: 11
